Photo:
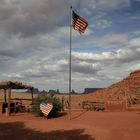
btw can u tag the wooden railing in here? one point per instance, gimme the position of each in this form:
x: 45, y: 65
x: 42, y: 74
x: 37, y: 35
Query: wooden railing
x: 96, y: 106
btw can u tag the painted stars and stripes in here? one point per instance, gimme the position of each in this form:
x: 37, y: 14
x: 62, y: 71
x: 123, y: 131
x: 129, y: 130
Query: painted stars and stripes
x: 46, y: 108
x: 79, y: 23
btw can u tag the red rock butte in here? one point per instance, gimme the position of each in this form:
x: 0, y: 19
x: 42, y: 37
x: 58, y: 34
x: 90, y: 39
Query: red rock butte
x: 126, y: 89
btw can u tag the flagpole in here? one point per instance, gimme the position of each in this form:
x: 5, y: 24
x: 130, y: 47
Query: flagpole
x: 70, y: 62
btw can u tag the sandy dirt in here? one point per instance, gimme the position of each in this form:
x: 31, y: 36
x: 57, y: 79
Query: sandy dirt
x: 84, y: 125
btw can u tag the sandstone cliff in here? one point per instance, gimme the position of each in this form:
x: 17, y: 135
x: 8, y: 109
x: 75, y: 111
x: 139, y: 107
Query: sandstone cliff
x: 127, y: 89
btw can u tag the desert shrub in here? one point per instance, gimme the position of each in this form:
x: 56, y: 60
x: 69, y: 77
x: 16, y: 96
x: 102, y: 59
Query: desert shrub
x: 57, y: 105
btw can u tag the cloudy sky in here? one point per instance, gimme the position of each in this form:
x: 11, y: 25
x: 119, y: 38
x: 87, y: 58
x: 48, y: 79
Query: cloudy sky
x: 34, y: 42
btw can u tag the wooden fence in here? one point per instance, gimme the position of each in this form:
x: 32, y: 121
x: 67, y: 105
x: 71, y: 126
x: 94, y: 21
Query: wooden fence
x: 97, y: 106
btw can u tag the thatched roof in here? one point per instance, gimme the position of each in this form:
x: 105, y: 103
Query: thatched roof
x: 14, y: 85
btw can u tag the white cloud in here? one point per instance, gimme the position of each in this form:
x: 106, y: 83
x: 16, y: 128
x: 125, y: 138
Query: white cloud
x: 137, y: 33
x: 135, y: 67
x: 85, y: 79
x: 108, y: 41
x: 102, y: 23
x: 103, y: 4
x: 85, y: 67
x: 93, y: 56
x: 135, y: 42
x: 62, y: 62
x: 121, y: 55
x: 31, y: 17
x: 114, y: 39
x: 114, y: 3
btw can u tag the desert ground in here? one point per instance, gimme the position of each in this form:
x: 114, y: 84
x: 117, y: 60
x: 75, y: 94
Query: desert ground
x: 82, y: 125
x: 79, y: 125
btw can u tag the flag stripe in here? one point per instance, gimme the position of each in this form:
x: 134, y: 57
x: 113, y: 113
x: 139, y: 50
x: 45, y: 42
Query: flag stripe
x: 46, y: 108
x: 78, y: 23
x: 79, y: 26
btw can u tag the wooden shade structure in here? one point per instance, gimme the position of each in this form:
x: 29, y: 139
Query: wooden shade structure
x: 9, y: 85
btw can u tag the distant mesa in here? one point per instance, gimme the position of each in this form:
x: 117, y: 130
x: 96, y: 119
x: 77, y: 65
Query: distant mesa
x: 91, y: 90
x: 43, y: 91
x: 37, y: 91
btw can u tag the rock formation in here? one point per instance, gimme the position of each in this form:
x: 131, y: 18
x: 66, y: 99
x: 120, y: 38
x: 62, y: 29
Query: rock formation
x: 126, y: 89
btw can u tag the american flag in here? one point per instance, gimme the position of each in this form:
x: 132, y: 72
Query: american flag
x: 46, y: 108
x: 78, y: 23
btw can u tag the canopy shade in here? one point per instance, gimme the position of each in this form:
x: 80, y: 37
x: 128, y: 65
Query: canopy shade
x: 14, y: 85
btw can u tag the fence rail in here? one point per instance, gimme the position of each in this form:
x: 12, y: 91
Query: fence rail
x: 97, y: 106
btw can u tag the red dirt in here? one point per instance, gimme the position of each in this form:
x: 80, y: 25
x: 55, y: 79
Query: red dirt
x: 82, y: 126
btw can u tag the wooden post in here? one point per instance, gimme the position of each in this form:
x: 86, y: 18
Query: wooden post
x: 9, y: 100
x: 0, y: 108
x: 32, y: 94
x: 5, y: 95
